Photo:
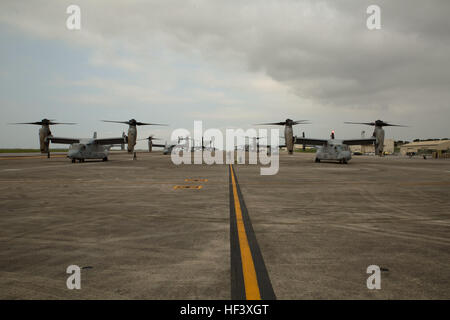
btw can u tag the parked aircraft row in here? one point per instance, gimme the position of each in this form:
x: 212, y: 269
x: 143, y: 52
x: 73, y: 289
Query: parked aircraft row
x: 94, y: 148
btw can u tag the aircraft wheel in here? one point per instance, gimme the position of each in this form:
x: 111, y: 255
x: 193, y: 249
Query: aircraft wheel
x: 73, y: 160
x: 344, y: 161
x: 317, y: 160
x: 81, y: 160
x: 105, y: 159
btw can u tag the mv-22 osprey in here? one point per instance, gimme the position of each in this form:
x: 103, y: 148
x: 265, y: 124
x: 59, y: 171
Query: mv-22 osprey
x: 80, y: 149
x: 90, y: 148
x: 288, y: 131
x: 334, y: 149
x: 132, y: 131
x: 378, y: 133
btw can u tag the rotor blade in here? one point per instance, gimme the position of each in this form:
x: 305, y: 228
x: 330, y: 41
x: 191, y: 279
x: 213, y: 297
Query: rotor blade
x: 271, y: 124
x: 366, y: 123
x: 36, y: 123
x: 39, y: 123
x: 257, y: 138
x: 150, y: 124
x: 392, y: 125
x: 301, y: 122
x: 379, y: 123
x: 149, y: 138
x: 124, y: 122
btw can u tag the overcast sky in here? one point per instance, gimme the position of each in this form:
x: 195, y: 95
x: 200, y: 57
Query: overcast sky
x: 228, y: 63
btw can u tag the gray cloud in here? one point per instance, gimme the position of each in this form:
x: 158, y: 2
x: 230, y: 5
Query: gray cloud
x: 320, y: 50
x: 324, y: 51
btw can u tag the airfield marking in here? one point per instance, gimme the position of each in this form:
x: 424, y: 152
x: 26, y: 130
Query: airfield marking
x: 187, y: 187
x: 196, y: 180
x: 249, y: 277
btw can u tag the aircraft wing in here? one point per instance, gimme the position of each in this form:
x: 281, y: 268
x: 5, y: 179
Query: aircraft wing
x: 158, y: 145
x: 270, y: 146
x: 62, y: 140
x: 311, y: 142
x: 104, y: 141
x: 358, y: 142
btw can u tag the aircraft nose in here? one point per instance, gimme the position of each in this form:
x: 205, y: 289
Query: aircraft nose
x: 72, y: 153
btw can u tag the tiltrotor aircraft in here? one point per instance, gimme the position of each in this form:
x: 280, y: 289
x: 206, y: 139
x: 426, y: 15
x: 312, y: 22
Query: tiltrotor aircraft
x: 44, y: 132
x: 80, y: 149
x: 151, y: 144
x: 132, y: 130
x: 168, y: 148
x: 334, y: 149
x: 91, y: 148
x: 288, y: 131
x: 378, y: 133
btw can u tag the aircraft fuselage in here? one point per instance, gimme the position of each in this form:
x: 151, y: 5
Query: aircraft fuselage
x: 334, y: 150
x: 86, y: 149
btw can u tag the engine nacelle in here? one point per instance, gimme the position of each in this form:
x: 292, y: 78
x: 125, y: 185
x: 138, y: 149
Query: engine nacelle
x: 379, y: 144
x: 150, y: 145
x: 132, y: 135
x: 44, y: 132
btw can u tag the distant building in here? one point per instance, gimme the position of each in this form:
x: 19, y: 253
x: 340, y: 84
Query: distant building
x: 300, y: 147
x: 388, y: 148
x: 438, y: 146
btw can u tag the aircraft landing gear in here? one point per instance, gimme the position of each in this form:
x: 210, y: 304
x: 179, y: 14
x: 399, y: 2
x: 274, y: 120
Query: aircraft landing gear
x: 317, y: 160
x: 105, y: 159
x: 73, y: 160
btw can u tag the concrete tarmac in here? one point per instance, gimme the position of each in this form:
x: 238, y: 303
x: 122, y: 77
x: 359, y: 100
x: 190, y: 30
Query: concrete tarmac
x: 138, y: 236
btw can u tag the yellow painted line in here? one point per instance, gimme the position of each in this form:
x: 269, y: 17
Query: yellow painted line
x: 187, y: 187
x: 248, y: 266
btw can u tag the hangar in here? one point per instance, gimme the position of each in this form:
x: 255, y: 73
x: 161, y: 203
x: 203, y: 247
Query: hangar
x: 388, y: 148
x: 439, y: 148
